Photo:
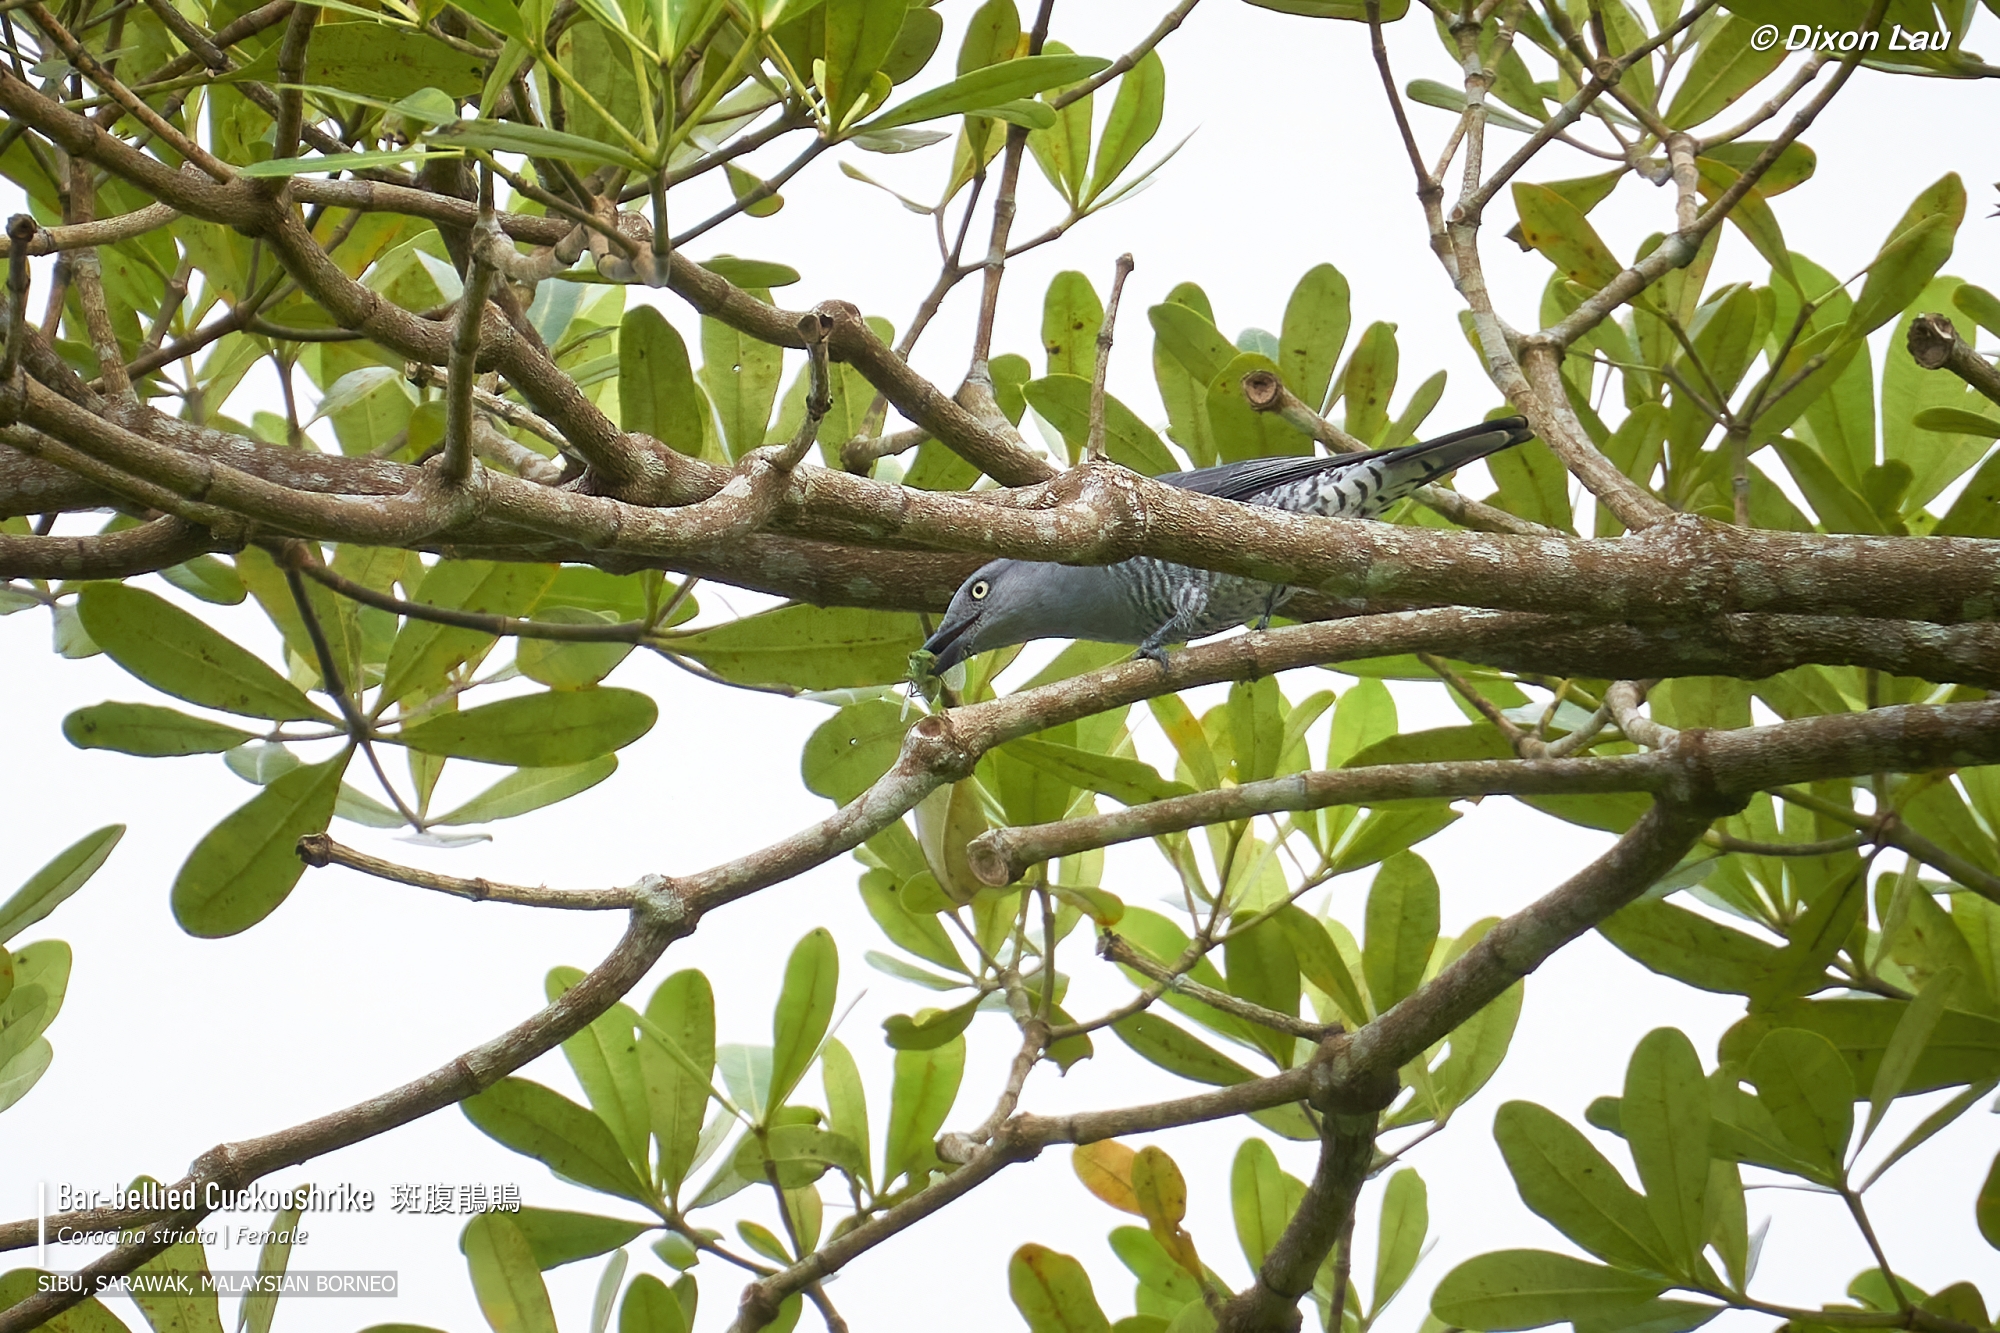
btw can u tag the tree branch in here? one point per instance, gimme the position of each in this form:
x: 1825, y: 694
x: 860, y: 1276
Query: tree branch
x: 1935, y: 345
x: 1731, y: 764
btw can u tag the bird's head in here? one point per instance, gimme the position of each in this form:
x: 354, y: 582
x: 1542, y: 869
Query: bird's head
x: 1001, y: 604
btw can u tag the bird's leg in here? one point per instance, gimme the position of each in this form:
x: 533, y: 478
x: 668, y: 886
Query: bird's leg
x: 1155, y: 646
x: 1189, y: 606
x: 1273, y: 599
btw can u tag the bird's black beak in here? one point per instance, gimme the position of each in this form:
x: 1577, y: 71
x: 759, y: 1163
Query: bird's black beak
x: 948, y: 645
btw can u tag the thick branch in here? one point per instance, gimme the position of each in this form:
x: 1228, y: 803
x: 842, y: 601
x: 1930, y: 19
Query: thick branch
x: 1935, y: 345
x: 1347, y: 1151
x: 1731, y: 764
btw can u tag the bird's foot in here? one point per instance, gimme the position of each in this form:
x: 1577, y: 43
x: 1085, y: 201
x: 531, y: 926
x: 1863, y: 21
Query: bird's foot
x: 1153, y: 652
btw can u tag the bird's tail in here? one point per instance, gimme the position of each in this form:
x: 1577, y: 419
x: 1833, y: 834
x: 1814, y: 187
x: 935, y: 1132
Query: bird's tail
x: 1419, y: 464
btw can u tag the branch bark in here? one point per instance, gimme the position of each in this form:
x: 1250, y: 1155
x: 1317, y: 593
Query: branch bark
x: 1729, y: 764
x: 1935, y: 345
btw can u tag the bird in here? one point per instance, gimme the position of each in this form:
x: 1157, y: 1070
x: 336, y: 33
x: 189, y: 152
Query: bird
x: 1153, y: 603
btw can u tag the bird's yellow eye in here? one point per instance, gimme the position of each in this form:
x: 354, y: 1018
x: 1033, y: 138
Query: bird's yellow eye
x: 980, y: 589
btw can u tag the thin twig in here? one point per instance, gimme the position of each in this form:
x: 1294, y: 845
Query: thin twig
x: 1094, y: 441
x: 320, y: 850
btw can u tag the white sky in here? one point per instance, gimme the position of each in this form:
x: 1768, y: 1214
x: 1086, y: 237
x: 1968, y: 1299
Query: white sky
x: 169, y: 1045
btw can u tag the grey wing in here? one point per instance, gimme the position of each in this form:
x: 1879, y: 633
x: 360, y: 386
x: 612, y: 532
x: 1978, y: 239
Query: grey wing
x: 1241, y: 481
x: 1255, y: 477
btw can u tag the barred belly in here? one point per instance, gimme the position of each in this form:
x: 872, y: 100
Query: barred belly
x: 1205, y: 601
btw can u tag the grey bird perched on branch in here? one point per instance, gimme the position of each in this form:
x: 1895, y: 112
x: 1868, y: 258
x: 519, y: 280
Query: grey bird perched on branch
x: 1153, y: 603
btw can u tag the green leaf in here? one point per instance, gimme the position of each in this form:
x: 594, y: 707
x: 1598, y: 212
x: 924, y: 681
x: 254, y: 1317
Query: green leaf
x: 796, y: 1154
x: 1516, y: 1289
x: 1805, y: 1084
x: 1429, y: 92
x: 906, y: 921
x: 852, y: 749
x: 1839, y: 507
x: 508, y: 136
x: 1564, y: 1179
x: 1965, y: 1048
x: 1320, y: 962
x: 570, y: 1140
x: 171, y: 1307
x: 1478, y: 1045
x: 1956, y: 421
x: 1160, y: 1191
x: 859, y: 36
x: 1400, y: 1242
x: 1402, y: 928
x: 247, y: 864
x: 1354, y: 11
x: 846, y: 1100
x: 1174, y: 1050
x: 425, y: 652
x: 605, y: 1059
x: 1053, y: 1293
x: 682, y: 1010
x: 650, y: 1306
x: 1317, y: 318
x: 570, y: 666
x: 87, y: 1316
x: 258, y: 1307
x: 1369, y: 380
x: 985, y: 88
x: 503, y: 16
x: 1061, y: 146
x: 808, y: 647
x: 1976, y: 512
x: 1394, y: 828
x: 1064, y: 402
x: 1134, y: 120
x: 805, y: 1008
x: 1552, y: 225
x: 1986, y: 1209
x: 554, y: 729
x: 1752, y: 215
x: 278, y: 167
x: 527, y: 789
x: 1912, y: 1034
x: 925, y: 1086
x: 177, y: 654
x: 556, y: 1237
x: 1916, y: 249
x: 1665, y: 1117
x: 947, y: 820
x: 1262, y: 1198
x: 1692, y: 949
x: 376, y: 60
x: 1128, y: 781
x: 65, y: 873
x: 149, y: 730
x: 505, y: 1279
x: 1263, y: 971
x: 928, y: 1028
x: 1981, y: 305
x: 1071, y: 317
x: 1189, y: 336
x: 657, y: 395
x: 18, y: 1077
x: 1725, y: 66
x: 741, y: 375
